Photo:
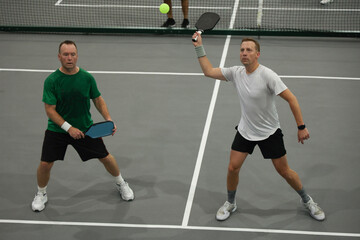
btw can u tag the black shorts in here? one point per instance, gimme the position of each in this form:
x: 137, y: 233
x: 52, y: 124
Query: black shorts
x: 271, y: 148
x: 55, y: 144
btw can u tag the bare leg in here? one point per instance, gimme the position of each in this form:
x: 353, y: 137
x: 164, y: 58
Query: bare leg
x: 169, y: 14
x: 185, y: 8
x: 43, y: 173
x: 236, y: 161
x: 110, y: 165
x: 291, y: 177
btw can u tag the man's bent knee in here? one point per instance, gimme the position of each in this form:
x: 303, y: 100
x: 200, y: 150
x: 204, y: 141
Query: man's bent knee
x: 233, y: 169
x: 46, y: 166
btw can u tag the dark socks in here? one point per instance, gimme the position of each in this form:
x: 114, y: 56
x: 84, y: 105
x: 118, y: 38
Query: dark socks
x: 305, y: 198
x: 231, y: 196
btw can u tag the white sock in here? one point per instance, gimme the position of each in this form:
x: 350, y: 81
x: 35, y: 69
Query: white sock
x: 119, y: 180
x: 42, y: 190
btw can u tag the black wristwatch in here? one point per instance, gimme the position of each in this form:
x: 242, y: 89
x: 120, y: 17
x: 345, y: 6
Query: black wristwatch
x: 301, y: 127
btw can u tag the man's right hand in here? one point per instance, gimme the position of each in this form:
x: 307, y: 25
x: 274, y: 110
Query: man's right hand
x: 199, y: 39
x: 76, y: 133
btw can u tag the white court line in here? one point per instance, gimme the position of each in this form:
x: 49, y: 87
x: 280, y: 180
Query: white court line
x: 58, y: 2
x: 129, y: 6
x: 200, y: 156
x: 322, y: 77
x: 304, y: 9
x: 207, y: 126
x: 105, y: 72
x: 260, y: 13
x: 170, y: 74
x: 178, y: 227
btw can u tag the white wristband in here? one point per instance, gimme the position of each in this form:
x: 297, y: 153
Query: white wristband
x: 200, y: 51
x: 66, y: 126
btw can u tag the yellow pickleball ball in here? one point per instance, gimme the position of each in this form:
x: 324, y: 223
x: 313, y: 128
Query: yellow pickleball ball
x: 164, y: 8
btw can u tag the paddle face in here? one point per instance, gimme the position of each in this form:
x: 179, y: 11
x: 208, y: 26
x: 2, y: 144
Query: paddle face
x: 100, y: 129
x: 207, y: 21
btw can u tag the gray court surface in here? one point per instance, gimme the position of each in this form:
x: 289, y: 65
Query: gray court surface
x: 171, y: 151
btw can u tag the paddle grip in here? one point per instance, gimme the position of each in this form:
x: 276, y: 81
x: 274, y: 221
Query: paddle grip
x: 195, y: 39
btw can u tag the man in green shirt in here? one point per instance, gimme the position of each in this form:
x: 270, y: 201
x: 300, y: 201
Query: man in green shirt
x: 67, y: 94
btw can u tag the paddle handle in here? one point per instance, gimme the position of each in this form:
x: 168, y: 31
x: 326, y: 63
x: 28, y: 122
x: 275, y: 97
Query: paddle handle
x: 195, y: 39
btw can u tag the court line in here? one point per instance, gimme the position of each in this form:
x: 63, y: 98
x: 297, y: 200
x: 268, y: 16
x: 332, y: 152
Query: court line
x: 322, y: 77
x: 204, y: 138
x: 200, y: 156
x: 273, y: 231
x: 59, y: 4
x: 178, y: 227
x: 305, y: 9
x: 104, y: 72
x: 260, y: 13
x: 170, y: 74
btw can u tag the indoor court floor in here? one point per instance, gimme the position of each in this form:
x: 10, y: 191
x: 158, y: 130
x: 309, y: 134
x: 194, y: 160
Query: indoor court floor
x: 175, y: 129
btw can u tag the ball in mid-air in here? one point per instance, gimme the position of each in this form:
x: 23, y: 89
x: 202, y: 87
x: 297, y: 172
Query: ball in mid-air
x: 164, y: 8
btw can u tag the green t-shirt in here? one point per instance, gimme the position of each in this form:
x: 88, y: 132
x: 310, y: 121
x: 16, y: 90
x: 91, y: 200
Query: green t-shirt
x: 71, y: 94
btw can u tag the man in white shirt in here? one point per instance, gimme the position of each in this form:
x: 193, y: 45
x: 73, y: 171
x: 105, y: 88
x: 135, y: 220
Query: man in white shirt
x: 257, y: 87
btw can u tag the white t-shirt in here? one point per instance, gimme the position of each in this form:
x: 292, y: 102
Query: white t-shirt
x: 257, y: 91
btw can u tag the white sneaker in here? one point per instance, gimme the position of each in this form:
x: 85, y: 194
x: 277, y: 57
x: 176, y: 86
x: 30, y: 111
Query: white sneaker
x: 326, y: 1
x: 315, y: 211
x: 38, y: 204
x: 125, y: 191
x: 224, y: 211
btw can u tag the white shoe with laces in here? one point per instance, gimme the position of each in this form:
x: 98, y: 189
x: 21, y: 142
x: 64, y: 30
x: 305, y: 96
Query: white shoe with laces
x: 125, y: 191
x: 326, y: 1
x: 315, y: 211
x: 38, y: 204
x: 225, y: 210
